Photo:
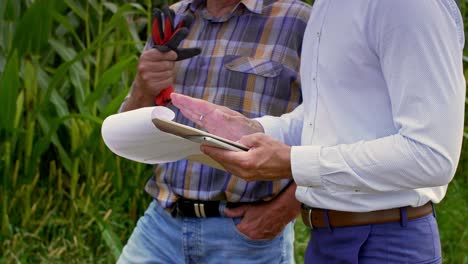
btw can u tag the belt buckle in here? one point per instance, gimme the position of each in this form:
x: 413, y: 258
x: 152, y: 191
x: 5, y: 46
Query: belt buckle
x: 195, y: 208
x: 309, y: 215
x: 199, y: 209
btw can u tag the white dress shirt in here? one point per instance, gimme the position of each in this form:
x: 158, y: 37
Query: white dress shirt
x: 381, y: 122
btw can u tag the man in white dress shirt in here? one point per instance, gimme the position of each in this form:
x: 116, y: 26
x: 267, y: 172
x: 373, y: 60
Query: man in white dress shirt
x: 378, y: 136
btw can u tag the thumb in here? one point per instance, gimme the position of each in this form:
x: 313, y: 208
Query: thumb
x: 235, y: 212
x: 252, y: 140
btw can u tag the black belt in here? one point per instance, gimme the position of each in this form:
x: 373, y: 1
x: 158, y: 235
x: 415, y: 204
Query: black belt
x: 201, y: 209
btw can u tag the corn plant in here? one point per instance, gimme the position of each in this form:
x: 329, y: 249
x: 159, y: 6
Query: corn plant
x: 65, y: 66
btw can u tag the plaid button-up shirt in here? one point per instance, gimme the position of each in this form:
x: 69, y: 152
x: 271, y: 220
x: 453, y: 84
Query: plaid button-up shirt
x: 249, y: 62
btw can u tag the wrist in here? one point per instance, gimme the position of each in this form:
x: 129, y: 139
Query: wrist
x: 136, y: 99
x: 287, y: 201
x: 256, y: 126
x: 285, y: 160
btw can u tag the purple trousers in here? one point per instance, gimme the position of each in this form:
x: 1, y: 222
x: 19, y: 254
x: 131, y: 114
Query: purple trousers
x: 408, y: 241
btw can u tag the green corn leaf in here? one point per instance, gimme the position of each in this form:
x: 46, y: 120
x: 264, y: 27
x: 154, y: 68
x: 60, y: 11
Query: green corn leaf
x: 111, y: 6
x: 108, y: 53
x: 110, y: 238
x: 113, y: 106
x: 118, y: 15
x: 9, y: 10
x: 110, y: 77
x: 77, y: 8
x: 77, y: 71
x: 33, y: 29
x: 95, y: 5
x: 64, y: 67
x: 3, y: 8
x: 69, y: 26
x: 50, y: 126
x: 56, y: 99
x: 59, y: 103
x: 6, y: 227
x: 19, y: 109
x: 9, y: 88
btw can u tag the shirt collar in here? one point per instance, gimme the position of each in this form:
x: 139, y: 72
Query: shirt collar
x: 254, y: 6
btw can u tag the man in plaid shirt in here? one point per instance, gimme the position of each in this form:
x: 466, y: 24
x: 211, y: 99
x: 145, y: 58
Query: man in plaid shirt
x: 249, y: 62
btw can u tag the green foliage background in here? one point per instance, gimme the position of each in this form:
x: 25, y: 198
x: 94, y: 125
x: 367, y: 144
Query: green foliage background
x: 65, y: 66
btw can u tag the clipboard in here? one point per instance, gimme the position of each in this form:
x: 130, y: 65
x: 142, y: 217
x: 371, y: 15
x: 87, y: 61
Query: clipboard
x: 189, y: 133
x: 148, y: 135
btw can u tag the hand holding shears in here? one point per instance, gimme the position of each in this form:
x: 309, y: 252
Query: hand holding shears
x: 166, y: 36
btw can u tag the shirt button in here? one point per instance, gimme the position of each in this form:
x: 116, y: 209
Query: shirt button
x: 318, y: 34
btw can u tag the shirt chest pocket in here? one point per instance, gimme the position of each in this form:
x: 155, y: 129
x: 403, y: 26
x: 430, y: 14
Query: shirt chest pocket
x: 257, y: 66
x: 248, y: 78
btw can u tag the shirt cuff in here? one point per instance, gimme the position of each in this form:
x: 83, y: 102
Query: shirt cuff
x: 271, y: 126
x: 305, y: 165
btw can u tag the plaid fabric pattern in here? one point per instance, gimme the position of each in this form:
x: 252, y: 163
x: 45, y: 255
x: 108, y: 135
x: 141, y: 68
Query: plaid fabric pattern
x: 250, y: 62
x: 260, y: 67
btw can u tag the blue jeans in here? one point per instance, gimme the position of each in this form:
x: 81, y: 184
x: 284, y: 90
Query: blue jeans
x: 160, y: 238
x: 412, y: 241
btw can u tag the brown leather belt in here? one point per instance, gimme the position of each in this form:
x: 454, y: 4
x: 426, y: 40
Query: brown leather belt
x: 316, y: 218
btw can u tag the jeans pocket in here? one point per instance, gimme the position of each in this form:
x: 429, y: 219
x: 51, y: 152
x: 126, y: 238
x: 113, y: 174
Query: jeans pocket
x: 248, y: 240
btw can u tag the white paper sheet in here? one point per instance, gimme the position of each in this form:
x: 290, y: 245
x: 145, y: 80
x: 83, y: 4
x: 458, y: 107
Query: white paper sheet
x: 133, y: 135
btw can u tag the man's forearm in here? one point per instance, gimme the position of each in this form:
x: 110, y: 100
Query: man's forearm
x: 136, y: 100
x: 266, y: 220
x: 287, y: 202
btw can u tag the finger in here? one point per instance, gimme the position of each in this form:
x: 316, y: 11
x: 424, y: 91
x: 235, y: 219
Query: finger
x: 192, y: 116
x: 156, y: 55
x: 161, y: 85
x: 253, y: 140
x: 151, y: 77
x: 235, y: 212
x: 231, y: 159
x: 208, y: 120
x: 241, y: 164
x: 155, y: 87
x: 155, y: 66
x: 200, y: 120
x: 191, y: 104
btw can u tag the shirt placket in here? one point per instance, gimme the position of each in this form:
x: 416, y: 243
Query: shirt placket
x: 315, y: 36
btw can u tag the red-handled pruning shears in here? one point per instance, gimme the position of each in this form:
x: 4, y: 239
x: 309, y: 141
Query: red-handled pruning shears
x: 166, y: 36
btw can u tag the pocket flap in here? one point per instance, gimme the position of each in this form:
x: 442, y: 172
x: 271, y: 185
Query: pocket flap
x: 262, y: 67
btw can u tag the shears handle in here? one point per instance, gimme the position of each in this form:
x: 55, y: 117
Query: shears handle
x: 167, y: 36
x: 164, y: 97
